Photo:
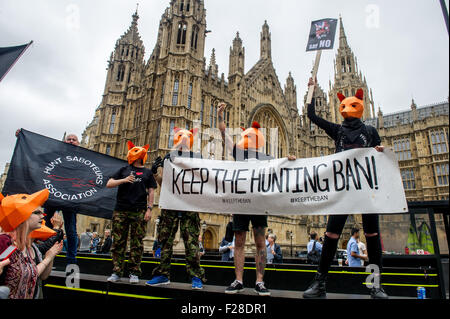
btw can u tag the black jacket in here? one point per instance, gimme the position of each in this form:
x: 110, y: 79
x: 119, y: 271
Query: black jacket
x: 106, y: 247
x: 278, y: 256
x: 350, y: 134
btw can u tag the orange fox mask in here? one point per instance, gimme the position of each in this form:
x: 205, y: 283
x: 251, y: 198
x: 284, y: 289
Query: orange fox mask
x: 352, y: 107
x: 252, y: 138
x: 136, y: 152
x: 184, y: 138
x: 42, y: 233
x: 16, y: 209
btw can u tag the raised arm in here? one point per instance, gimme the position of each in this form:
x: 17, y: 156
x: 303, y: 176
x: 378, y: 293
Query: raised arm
x: 330, y: 128
x: 222, y: 127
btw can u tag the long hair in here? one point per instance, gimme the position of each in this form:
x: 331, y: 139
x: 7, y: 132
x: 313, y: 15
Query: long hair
x: 20, y: 236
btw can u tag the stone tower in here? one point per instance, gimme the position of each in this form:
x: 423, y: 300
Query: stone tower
x: 347, y: 80
x: 109, y: 130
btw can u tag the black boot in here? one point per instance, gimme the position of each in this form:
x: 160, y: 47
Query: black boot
x: 318, y: 287
x: 378, y: 293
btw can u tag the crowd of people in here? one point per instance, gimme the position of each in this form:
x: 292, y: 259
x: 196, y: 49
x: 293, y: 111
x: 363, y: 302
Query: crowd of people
x: 28, y: 264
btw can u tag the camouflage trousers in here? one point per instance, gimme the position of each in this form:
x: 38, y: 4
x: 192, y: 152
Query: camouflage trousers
x: 190, y: 230
x: 124, y: 223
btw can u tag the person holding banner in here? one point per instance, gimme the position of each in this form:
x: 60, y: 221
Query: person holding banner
x: 247, y: 148
x: 351, y: 134
x: 70, y: 216
x: 189, y: 222
x: 132, y: 212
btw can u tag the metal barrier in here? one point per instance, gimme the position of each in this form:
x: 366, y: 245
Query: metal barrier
x: 432, y: 208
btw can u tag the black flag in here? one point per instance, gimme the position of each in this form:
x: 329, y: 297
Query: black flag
x: 9, y: 56
x: 76, y: 177
x: 322, y: 34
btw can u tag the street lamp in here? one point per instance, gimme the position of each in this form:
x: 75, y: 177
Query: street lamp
x: 204, y: 226
x: 291, y: 235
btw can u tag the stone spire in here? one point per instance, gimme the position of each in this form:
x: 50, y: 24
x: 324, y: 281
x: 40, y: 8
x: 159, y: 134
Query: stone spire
x: 266, y: 42
x: 342, y: 37
x: 214, y: 68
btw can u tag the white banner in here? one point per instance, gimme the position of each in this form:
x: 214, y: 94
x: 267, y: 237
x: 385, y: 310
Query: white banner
x: 360, y: 181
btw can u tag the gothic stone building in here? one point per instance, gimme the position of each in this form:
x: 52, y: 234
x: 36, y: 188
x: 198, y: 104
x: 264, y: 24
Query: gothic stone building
x: 144, y: 100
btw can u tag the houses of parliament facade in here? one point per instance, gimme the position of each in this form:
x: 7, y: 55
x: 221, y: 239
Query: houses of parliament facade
x: 176, y: 87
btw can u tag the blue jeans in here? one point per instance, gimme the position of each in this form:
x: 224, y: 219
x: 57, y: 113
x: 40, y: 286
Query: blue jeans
x: 70, y: 225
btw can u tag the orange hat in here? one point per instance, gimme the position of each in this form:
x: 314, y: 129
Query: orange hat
x: 16, y: 209
x: 184, y: 137
x: 252, y: 138
x: 352, y: 107
x: 42, y: 233
x: 136, y: 152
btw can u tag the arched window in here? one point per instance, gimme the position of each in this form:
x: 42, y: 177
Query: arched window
x: 188, y: 5
x: 113, y: 122
x: 108, y: 149
x: 158, y: 132
x: 181, y: 5
x: 202, y: 111
x: 343, y: 65
x: 189, y: 104
x: 181, y: 36
x: 215, y: 117
x: 194, y: 37
x: 162, y: 93
x: 180, y: 30
x: 171, y: 136
x: 176, y: 86
x: 349, y: 64
x: 120, y: 73
x: 211, y: 115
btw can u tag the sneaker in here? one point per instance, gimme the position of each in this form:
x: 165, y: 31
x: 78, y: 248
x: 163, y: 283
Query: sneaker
x: 261, y: 290
x: 317, y: 289
x: 158, y: 281
x: 114, y: 278
x: 197, y: 283
x: 235, y: 287
x: 134, y: 279
x: 378, y: 293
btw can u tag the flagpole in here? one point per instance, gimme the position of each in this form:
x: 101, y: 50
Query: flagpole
x: 20, y: 55
x: 314, y: 75
x: 444, y: 11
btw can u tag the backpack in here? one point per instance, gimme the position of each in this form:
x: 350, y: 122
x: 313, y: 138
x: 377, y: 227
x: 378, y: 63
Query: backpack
x: 313, y: 256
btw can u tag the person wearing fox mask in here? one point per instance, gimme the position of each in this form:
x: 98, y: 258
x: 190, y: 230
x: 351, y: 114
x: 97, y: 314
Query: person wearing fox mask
x: 252, y: 140
x: 189, y: 222
x: 132, y: 212
x: 20, y: 216
x: 352, y: 133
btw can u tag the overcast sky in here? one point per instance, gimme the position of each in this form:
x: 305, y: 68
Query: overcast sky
x: 401, y: 47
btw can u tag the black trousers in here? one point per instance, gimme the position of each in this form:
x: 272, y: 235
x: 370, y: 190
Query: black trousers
x: 371, y: 223
x: 335, y: 225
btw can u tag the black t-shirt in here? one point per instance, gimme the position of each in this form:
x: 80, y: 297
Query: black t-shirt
x: 134, y: 196
x: 244, y: 155
x: 177, y: 153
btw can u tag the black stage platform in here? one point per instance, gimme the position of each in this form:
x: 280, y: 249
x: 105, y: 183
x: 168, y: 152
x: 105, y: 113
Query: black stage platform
x: 286, y: 281
x: 96, y: 287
